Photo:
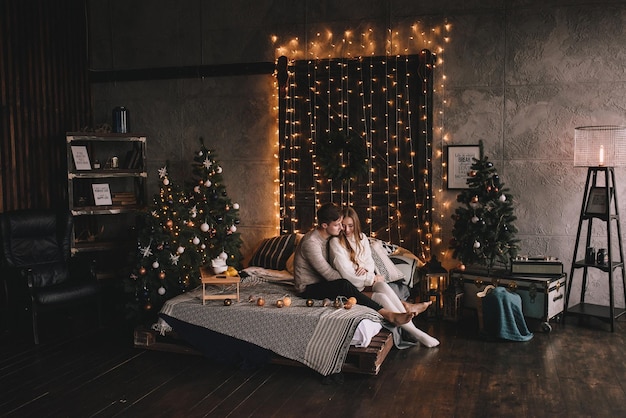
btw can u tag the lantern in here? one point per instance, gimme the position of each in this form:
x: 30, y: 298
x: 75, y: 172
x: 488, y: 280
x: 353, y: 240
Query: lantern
x: 434, y: 283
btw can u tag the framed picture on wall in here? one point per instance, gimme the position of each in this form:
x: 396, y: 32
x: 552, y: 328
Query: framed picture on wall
x: 460, y: 160
x: 596, y: 202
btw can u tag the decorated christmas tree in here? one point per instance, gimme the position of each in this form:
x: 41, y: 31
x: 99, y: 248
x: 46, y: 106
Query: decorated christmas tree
x: 184, y: 230
x: 213, y: 212
x: 484, y: 232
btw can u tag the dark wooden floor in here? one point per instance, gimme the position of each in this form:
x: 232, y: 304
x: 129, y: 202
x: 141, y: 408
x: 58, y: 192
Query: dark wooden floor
x: 575, y: 371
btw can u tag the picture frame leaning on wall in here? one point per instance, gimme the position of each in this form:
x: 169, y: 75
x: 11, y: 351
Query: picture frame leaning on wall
x: 597, y: 201
x: 459, y: 162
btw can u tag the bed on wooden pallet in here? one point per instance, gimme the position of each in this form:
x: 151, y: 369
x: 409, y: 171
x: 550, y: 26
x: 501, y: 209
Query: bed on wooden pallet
x: 323, y: 337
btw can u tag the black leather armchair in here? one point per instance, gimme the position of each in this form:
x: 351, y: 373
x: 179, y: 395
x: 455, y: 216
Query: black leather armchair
x: 38, y: 266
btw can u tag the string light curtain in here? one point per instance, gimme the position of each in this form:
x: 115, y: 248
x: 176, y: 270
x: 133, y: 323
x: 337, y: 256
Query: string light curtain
x: 358, y: 132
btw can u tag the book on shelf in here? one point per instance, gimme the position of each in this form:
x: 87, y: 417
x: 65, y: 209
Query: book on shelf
x: 123, y: 198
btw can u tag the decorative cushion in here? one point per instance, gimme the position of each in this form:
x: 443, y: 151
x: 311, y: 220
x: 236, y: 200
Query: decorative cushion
x: 389, y: 247
x: 384, y: 265
x: 273, y: 252
x: 290, y: 267
x: 408, y: 266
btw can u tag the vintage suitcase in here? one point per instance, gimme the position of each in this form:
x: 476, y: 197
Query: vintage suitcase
x: 543, y: 296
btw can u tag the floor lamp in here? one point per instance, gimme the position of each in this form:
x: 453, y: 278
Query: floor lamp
x: 600, y: 149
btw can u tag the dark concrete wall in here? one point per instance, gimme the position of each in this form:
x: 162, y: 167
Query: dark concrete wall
x: 519, y: 75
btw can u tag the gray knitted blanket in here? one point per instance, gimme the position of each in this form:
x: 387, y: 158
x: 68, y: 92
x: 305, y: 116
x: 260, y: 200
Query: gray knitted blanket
x: 318, y: 337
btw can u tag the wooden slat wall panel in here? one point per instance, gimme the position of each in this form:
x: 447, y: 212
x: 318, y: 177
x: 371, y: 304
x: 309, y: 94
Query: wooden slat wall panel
x: 44, y: 92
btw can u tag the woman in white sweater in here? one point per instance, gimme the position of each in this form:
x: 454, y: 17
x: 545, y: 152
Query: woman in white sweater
x: 350, y: 254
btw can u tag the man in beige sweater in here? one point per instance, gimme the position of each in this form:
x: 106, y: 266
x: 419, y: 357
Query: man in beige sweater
x: 316, y: 279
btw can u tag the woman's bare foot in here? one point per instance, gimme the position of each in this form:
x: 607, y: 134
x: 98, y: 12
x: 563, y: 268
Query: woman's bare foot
x: 397, y: 318
x: 416, y: 308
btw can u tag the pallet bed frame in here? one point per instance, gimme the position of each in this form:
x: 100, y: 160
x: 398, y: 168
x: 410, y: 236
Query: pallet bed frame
x: 362, y: 360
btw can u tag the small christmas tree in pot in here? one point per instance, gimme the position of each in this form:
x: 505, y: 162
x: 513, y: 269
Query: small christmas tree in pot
x: 484, y: 232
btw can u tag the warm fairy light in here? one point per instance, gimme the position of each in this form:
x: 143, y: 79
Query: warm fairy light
x: 396, y: 127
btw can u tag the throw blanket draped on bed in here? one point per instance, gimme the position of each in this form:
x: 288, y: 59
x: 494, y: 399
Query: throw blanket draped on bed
x: 318, y: 337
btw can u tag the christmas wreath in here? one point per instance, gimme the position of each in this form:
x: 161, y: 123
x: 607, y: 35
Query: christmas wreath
x: 342, y: 157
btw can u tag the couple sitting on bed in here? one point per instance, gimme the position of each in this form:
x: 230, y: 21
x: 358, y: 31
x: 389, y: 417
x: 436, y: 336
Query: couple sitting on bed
x: 343, y: 266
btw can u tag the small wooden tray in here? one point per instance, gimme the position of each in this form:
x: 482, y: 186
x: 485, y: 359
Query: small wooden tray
x: 208, y: 278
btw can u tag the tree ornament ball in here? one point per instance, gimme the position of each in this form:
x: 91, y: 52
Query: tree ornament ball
x: 180, y: 250
x: 155, y: 265
x: 169, y: 223
x: 462, y: 267
x: 218, y: 170
x: 352, y: 300
x: 223, y: 255
x: 474, y: 199
x: 475, y: 219
x: 338, y: 303
x: 142, y: 271
x: 228, y: 302
x: 203, y: 246
x: 233, y: 228
x: 287, y: 301
x: 204, y: 227
x: 473, y: 173
x: 502, y: 198
x: 260, y: 302
x: 280, y: 303
x: 162, y: 275
x: 236, y: 206
x: 347, y: 305
x: 166, y: 182
x: 207, y: 183
x: 195, y: 240
x: 476, y: 244
x: 161, y: 291
x: 310, y: 302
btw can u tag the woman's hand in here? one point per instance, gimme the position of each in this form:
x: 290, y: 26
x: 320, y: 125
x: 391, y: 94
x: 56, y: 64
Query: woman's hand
x: 360, y: 271
x: 379, y: 278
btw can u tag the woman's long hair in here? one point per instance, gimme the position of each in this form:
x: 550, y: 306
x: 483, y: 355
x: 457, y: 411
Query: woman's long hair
x: 349, y: 212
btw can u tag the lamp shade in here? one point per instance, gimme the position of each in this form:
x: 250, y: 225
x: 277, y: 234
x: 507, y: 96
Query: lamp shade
x: 596, y: 146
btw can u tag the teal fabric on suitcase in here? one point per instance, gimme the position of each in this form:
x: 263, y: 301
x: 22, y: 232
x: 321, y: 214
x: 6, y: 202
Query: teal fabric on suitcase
x: 503, y: 317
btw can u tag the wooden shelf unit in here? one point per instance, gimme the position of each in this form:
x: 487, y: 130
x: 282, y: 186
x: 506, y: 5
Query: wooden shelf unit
x: 104, y: 226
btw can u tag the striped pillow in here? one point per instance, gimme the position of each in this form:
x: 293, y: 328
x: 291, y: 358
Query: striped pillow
x: 274, y: 252
x: 384, y: 265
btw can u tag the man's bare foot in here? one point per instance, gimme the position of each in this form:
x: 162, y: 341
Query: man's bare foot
x: 416, y: 308
x: 397, y: 318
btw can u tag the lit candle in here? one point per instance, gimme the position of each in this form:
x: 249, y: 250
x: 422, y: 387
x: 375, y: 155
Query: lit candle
x: 601, y: 156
